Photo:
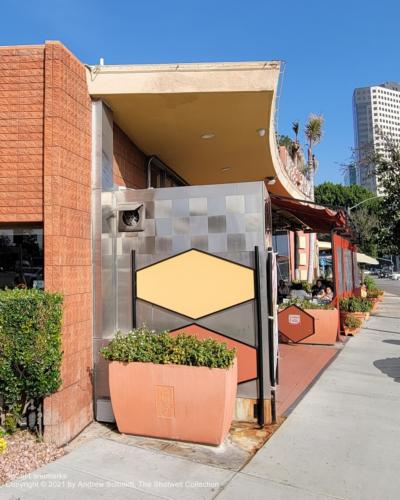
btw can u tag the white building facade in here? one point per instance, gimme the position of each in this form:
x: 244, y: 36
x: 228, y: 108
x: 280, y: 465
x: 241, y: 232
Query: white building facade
x: 376, y: 114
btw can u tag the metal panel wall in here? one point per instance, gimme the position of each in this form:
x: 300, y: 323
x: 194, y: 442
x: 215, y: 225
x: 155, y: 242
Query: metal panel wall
x: 227, y: 221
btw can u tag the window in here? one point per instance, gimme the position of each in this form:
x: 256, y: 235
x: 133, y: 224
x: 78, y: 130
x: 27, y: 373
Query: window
x: 21, y: 256
x: 161, y: 176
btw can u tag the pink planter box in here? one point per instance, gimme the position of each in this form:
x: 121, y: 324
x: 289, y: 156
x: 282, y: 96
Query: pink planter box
x: 185, y: 403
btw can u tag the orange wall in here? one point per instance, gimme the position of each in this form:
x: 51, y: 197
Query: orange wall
x: 21, y: 133
x: 67, y: 233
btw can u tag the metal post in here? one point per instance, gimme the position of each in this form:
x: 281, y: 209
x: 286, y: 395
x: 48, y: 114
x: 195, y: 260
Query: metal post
x: 133, y: 282
x: 271, y: 325
x: 260, y: 354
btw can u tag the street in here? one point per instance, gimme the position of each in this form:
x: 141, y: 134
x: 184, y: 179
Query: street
x: 390, y: 286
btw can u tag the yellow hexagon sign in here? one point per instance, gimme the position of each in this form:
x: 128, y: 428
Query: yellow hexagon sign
x: 195, y: 284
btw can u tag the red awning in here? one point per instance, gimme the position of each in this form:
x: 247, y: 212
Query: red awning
x: 307, y: 216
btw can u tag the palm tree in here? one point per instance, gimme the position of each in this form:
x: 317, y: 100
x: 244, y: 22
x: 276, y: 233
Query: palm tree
x: 295, y: 143
x: 296, y: 128
x: 313, y: 132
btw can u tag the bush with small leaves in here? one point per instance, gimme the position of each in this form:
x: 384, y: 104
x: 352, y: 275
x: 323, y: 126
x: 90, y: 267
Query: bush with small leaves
x: 352, y: 321
x: 30, y: 348
x: 355, y: 304
x: 147, y: 346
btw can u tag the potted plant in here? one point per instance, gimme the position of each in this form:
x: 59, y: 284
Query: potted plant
x: 325, y: 321
x: 352, y: 325
x: 355, y: 306
x: 374, y: 297
x: 173, y: 387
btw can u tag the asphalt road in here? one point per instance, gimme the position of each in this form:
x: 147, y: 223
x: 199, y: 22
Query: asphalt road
x: 390, y: 286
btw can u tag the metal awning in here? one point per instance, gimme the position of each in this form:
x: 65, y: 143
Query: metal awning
x: 301, y: 215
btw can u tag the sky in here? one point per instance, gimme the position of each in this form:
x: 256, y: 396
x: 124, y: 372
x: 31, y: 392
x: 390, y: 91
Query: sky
x: 328, y: 47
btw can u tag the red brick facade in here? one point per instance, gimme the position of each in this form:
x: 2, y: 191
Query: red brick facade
x: 45, y: 176
x: 21, y: 133
x: 67, y: 232
x: 129, y: 162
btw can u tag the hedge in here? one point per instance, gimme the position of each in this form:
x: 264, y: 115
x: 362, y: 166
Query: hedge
x: 148, y: 346
x: 30, y: 346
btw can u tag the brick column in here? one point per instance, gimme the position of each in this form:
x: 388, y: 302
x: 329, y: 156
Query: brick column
x: 67, y: 233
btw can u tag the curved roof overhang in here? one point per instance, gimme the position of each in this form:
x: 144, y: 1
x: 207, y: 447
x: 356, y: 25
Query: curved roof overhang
x: 166, y: 110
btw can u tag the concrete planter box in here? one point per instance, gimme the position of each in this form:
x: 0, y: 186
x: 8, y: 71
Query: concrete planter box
x: 326, y: 326
x: 185, y: 403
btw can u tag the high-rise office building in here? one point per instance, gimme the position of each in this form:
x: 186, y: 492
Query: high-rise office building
x: 376, y: 113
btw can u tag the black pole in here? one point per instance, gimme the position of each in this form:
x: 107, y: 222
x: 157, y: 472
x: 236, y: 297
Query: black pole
x: 133, y: 282
x: 260, y: 354
x: 271, y: 306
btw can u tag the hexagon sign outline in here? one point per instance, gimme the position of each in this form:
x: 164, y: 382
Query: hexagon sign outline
x: 295, y: 323
x: 195, y: 284
x: 246, y: 354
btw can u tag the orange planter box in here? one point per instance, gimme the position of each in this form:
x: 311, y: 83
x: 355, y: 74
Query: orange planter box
x: 186, y: 403
x: 326, y: 326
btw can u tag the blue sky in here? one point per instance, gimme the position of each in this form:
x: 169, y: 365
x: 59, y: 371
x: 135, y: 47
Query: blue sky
x: 329, y: 47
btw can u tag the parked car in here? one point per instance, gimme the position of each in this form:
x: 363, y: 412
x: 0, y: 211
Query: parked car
x: 395, y: 276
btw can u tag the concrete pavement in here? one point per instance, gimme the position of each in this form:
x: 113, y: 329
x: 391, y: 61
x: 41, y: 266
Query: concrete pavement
x: 341, y: 441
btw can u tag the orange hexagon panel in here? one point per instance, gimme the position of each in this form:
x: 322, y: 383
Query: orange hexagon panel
x: 295, y: 324
x: 246, y: 355
x: 195, y: 284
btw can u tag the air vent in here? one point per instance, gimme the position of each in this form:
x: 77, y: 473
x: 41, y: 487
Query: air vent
x: 131, y: 220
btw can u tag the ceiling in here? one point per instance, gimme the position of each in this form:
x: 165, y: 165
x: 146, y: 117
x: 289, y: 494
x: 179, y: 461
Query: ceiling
x: 166, y: 110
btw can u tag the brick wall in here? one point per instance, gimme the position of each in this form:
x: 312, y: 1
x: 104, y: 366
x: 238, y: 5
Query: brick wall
x: 67, y: 232
x: 21, y: 133
x: 129, y: 162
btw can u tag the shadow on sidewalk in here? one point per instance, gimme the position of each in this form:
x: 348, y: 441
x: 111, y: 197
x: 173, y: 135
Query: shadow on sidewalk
x: 391, y: 341
x: 390, y: 367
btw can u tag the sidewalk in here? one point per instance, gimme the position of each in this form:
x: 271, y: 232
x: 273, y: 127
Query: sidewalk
x: 341, y: 441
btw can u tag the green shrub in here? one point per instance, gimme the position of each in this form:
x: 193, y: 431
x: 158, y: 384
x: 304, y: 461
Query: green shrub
x: 305, y: 304
x: 30, y: 347
x: 373, y: 294
x: 147, y: 346
x: 370, y: 283
x: 352, y: 321
x: 305, y: 285
x: 355, y: 304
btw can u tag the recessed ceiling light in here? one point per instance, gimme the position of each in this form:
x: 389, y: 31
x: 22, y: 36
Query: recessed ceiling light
x: 261, y: 132
x: 208, y: 135
x: 225, y: 169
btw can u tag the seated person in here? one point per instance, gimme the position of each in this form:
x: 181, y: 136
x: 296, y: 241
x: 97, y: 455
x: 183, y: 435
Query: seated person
x: 283, y: 289
x: 317, y: 288
x: 297, y: 292
x: 326, y: 296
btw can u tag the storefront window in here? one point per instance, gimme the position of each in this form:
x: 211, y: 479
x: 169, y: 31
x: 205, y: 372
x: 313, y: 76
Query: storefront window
x: 21, y: 257
x: 280, y: 243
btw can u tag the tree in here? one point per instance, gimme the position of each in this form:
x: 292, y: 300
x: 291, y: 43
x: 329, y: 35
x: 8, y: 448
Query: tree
x: 313, y: 132
x: 364, y: 219
x: 340, y: 196
x: 387, y: 170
